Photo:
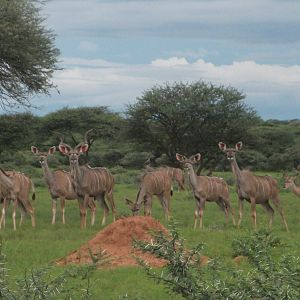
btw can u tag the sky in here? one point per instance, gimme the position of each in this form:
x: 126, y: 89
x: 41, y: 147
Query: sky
x: 112, y: 51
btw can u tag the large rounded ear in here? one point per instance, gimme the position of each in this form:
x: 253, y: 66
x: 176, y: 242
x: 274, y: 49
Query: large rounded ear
x: 52, y: 150
x: 64, y: 148
x: 195, y: 157
x: 222, y: 146
x: 238, y: 146
x: 82, y: 148
x: 34, y: 150
x: 180, y: 157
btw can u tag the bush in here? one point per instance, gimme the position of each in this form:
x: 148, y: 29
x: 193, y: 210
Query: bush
x: 267, y: 278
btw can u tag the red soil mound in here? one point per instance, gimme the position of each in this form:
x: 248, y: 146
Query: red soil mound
x: 116, y: 239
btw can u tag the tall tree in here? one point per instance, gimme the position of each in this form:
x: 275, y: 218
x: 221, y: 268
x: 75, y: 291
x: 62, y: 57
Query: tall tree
x: 189, y: 118
x: 28, y: 56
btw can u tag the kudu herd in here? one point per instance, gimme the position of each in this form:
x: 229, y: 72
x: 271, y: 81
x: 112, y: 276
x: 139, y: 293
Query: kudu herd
x: 59, y: 184
x: 86, y: 184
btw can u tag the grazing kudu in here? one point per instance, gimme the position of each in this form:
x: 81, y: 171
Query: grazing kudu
x: 15, y: 187
x: 59, y: 184
x: 252, y: 188
x: 289, y: 183
x: 205, y: 188
x: 89, y: 182
x: 156, y: 183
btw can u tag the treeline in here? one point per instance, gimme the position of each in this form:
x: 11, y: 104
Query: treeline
x: 183, y: 118
x: 271, y: 145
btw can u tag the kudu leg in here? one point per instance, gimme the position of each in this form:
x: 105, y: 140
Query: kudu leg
x: 92, y: 207
x: 253, y: 210
x: 54, y: 203
x: 4, y: 207
x: 229, y: 209
x: 14, y: 215
x: 148, y: 206
x: 165, y: 203
x: 62, y: 209
x: 270, y: 211
x: 103, y: 204
x: 112, y: 205
x: 82, y: 211
x: 276, y: 202
x: 241, y: 211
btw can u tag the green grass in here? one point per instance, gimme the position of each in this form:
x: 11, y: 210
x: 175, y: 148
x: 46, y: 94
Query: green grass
x: 29, y: 248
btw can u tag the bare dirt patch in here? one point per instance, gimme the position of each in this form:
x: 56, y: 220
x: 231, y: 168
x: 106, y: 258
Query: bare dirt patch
x: 116, y: 239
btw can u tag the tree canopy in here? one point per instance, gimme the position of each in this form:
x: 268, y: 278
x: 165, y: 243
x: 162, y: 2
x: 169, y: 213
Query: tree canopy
x: 189, y: 118
x: 28, y: 56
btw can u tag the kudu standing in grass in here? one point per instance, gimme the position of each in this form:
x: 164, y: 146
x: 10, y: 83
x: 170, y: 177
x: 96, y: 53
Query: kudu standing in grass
x: 289, y: 183
x: 15, y: 187
x: 157, y: 183
x: 254, y: 189
x: 206, y: 188
x: 176, y: 174
x: 89, y: 182
x: 59, y: 184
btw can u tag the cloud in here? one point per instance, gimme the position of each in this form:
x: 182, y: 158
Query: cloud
x: 88, y: 46
x: 86, y: 82
x: 256, y: 20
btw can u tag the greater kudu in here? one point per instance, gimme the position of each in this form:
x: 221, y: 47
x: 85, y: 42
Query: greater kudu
x: 89, y: 182
x: 206, y: 188
x: 59, y: 184
x: 252, y: 188
x: 289, y: 183
x: 15, y: 187
x: 175, y: 174
x: 157, y: 183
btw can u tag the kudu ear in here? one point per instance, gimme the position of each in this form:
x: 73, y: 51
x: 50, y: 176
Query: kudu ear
x: 222, y: 146
x: 52, y: 150
x: 238, y: 146
x: 34, y: 150
x: 82, y: 148
x: 196, y: 157
x: 180, y: 157
x: 64, y: 148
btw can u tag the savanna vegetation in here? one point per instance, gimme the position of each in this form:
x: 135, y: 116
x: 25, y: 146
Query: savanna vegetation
x: 184, y: 117
x: 271, y: 146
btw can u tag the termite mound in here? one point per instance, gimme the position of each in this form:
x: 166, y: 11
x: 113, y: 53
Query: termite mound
x: 116, y: 240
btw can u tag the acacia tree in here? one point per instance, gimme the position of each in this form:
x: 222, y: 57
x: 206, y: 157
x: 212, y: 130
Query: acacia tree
x: 28, y: 56
x: 189, y: 118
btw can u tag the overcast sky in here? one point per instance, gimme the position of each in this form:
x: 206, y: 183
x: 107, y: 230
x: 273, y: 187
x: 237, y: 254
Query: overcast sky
x: 112, y: 51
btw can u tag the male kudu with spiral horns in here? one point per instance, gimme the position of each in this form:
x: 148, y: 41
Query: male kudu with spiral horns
x: 89, y: 182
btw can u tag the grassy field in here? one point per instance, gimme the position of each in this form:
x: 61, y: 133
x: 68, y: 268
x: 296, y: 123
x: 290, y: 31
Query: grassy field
x: 29, y: 248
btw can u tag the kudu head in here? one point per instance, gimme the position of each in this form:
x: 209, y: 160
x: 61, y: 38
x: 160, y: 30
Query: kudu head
x: 188, y: 162
x: 288, y: 181
x: 73, y: 154
x: 42, y: 156
x: 134, y: 207
x: 230, y: 152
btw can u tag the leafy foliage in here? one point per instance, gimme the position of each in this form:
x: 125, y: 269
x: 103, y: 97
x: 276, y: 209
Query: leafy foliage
x: 28, y: 56
x: 267, y: 278
x: 189, y: 118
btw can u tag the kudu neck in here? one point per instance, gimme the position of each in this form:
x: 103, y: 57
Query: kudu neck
x: 235, y: 169
x: 192, y: 175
